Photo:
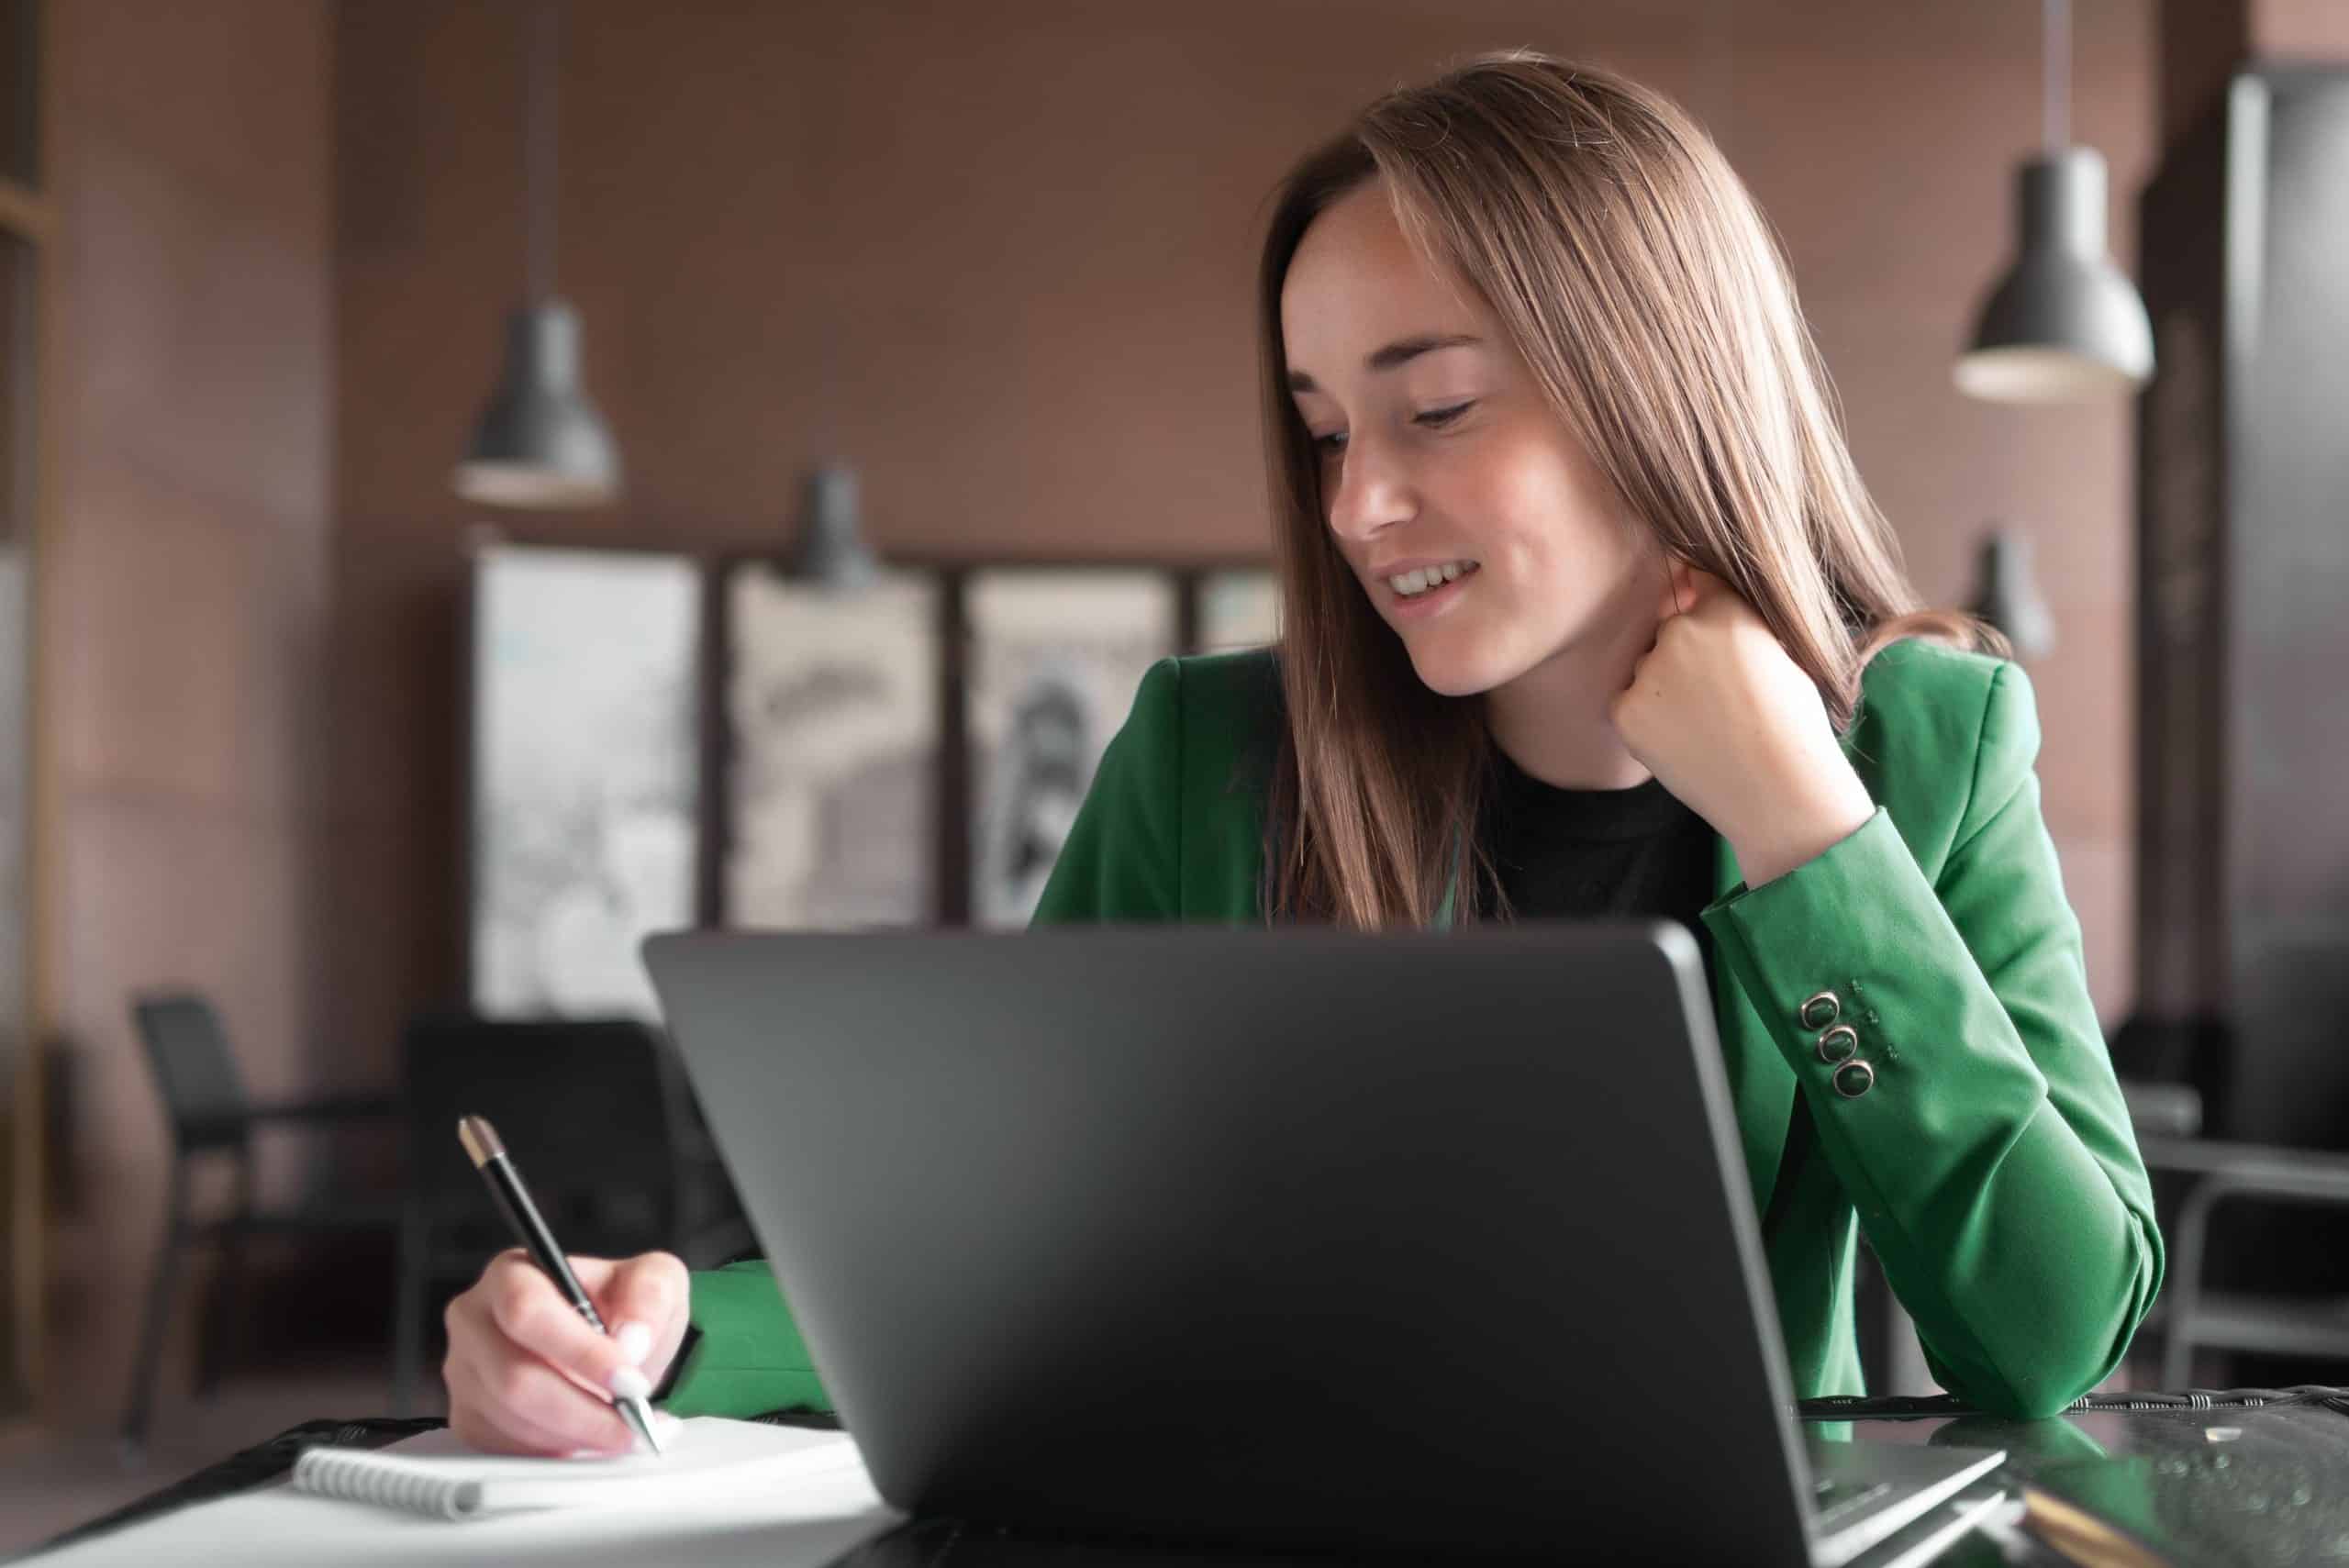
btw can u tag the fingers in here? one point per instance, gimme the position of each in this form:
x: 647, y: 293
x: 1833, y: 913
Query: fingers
x: 503, y: 1399
x: 529, y: 1407
x: 527, y: 1309
x: 528, y: 1374
x: 645, y: 1303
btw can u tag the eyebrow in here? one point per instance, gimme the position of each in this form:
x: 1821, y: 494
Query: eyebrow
x: 1402, y: 351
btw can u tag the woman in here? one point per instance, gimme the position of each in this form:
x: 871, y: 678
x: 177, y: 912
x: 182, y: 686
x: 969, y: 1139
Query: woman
x: 1586, y: 611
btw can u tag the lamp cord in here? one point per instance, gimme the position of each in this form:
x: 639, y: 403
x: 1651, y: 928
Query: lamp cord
x: 539, y: 151
x: 2056, y: 62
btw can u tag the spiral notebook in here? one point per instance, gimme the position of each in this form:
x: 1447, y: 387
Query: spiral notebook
x: 438, y: 1476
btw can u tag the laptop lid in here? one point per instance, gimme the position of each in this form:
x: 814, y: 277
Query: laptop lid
x: 1300, y: 1239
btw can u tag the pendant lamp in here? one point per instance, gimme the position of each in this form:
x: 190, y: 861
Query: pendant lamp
x: 2065, y: 324
x: 539, y: 442
x: 831, y: 552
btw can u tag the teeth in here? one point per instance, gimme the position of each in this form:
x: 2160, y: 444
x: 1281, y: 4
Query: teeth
x: 1411, y: 584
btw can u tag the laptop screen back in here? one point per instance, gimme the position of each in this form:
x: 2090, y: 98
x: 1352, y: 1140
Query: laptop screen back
x: 1432, y: 1241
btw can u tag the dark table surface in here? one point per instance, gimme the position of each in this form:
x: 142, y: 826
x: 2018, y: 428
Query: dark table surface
x: 2249, y: 1477
x: 2236, y: 1483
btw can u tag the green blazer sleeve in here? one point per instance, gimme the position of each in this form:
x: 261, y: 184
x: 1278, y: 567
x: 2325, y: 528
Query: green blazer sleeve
x: 1992, y: 1163
x: 745, y: 1356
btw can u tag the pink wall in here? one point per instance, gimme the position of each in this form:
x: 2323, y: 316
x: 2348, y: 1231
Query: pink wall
x: 188, y: 581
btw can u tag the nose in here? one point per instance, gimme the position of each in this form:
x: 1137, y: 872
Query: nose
x: 1373, y: 494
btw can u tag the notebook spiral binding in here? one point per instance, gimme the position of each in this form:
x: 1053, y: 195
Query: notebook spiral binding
x: 364, y: 1476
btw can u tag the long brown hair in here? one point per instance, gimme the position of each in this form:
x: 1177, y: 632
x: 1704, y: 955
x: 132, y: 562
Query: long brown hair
x: 1637, y: 280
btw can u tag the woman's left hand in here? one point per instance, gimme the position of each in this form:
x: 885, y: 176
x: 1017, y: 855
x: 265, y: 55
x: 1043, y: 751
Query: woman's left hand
x: 1720, y: 713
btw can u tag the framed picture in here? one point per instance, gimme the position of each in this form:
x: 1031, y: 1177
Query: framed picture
x: 1053, y: 658
x: 1237, y: 608
x: 585, y: 773
x: 832, y: 725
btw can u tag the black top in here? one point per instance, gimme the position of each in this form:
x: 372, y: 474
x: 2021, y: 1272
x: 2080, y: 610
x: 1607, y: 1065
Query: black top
x: 1576, y: 853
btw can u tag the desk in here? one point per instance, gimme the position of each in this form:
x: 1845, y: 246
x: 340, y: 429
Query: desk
x: 2275, y: 1492
x: 2273, y: 1488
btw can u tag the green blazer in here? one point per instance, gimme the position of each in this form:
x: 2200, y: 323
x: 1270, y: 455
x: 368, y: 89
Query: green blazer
x: 1989, y: 1162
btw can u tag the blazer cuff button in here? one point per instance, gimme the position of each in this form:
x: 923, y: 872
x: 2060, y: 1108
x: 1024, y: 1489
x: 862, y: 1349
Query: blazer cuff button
x: 1854, y: 1079
x: 1821, y: 1010
x: 1838, y: 1044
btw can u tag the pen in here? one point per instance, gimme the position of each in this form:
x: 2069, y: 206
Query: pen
x: 497, y: 1168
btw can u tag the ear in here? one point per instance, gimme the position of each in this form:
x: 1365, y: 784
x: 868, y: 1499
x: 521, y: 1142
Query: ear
x: 1679, y: 589
x: 1703, y: 585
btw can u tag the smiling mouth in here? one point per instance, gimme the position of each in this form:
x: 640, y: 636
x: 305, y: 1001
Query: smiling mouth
x: 1408, y: 585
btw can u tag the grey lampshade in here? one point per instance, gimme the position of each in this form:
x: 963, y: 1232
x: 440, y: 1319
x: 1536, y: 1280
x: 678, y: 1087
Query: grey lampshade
x: 832, y: 552
x: 2065, y: 324
x: 539, y: 442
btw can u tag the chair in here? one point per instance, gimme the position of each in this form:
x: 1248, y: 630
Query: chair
x: 713, y: 1228
x: 587, y: 1109
x: 2193, y: 1313
x: 204, y: 1101
x: 2167, y: 1118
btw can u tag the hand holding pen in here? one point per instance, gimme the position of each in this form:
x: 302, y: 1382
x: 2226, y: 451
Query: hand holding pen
x: 527, y: 1346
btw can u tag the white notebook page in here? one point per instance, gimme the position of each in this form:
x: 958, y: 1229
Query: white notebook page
x: 436, y: 1473
x: 800, y: 1504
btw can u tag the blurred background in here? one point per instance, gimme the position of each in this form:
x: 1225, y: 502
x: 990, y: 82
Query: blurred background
x: 384, y: 646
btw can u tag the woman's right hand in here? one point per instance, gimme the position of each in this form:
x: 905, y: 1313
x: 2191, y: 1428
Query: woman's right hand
x: 526, y: 1375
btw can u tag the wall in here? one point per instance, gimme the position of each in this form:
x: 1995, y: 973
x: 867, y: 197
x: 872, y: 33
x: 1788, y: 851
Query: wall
x: 186, y: 582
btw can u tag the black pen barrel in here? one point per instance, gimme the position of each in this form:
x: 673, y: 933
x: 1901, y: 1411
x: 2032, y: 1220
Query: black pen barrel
x: 512, y: 1196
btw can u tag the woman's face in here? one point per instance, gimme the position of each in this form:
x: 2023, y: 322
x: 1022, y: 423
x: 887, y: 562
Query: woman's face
x: 1440, y: 460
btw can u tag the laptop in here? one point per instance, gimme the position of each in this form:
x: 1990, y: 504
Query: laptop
x: 1303, y: 1241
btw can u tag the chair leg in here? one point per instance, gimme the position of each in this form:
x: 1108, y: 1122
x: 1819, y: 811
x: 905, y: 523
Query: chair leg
x: 2191, y: 1239
x: 168, y: 1257
x: 222, y: 1321
x: 407, y: 1325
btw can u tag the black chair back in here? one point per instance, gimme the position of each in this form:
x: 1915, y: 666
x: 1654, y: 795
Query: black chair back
x: 583, y: 1108
x: 194, y: 1072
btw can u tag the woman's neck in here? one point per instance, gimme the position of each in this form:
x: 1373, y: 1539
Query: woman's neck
x: 1552, y: 720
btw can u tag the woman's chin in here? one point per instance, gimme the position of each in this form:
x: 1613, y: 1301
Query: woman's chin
x: 1453, y: 672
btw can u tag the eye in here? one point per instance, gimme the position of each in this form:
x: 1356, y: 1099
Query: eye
x: 1433, y: 419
